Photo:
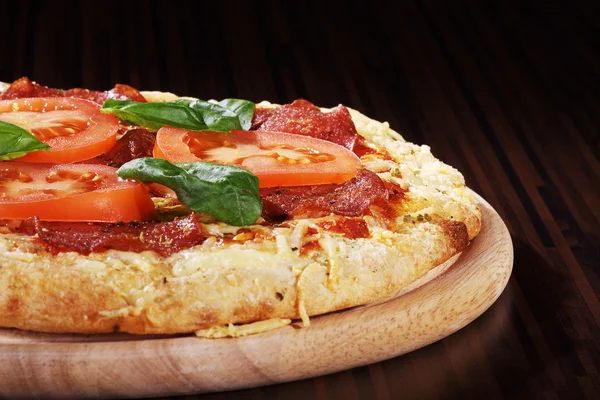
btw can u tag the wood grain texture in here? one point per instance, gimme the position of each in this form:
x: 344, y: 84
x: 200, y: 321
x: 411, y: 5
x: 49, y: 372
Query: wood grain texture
x: 45, y: 365
x: 506, y: 92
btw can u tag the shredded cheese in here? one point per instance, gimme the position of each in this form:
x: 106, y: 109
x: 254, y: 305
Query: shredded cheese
x: 232, y: 330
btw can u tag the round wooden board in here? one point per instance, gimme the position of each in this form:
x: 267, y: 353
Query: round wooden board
x: 120, y: 365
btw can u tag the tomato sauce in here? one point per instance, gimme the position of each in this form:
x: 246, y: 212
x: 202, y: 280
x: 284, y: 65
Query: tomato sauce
x: 360, y: 149
x: 352, y: 228
x: 309, y: 246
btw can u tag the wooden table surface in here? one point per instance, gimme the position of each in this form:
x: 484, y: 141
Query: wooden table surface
x: 509, y: 95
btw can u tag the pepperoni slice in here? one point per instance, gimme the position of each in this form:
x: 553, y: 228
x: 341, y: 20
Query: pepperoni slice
x: 351, y: 198
x: 119, y: 92
x: 136, y: 143
x: 163, y: 237
x: 304, y: 118
x: 24, y: 88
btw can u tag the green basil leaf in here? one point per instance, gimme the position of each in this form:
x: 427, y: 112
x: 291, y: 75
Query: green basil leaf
x: 15, y: 142
x: 216, y: 115
x: 243, y: 108
x: 184, y: 113
x: 207, y: 105
x: 228, y: 193
x: 154, y: 115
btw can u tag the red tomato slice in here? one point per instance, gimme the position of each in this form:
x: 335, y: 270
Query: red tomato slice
x: 74, y: 128
x: 70, y: 192
x: 277, y: 158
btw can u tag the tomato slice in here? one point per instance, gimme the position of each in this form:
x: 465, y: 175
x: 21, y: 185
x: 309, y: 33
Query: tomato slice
x: 277, y: 158
x: 75, y: 129
x: 70, y: 192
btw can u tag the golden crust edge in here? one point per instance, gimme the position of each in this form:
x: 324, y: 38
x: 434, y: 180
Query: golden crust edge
x: 65, y: 303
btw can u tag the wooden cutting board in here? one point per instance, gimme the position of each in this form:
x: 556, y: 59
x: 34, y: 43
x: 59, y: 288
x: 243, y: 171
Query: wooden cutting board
x: 121, y: 365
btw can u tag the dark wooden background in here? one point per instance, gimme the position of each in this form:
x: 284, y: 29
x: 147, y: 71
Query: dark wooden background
x: 507, y: 93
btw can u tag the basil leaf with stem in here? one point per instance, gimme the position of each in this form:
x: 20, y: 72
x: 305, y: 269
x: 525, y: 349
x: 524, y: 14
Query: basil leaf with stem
x: 228, y: 193
x: 154, y: 115
x: 184, y: 113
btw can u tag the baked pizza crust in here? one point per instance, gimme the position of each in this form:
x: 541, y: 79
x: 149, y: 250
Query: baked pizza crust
x: 222, y: 283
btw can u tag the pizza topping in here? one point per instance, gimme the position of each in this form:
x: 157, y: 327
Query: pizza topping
x: 304, y: 118
x: 260, y: 116
x: 228, y: 193
x: 350, y: 227
x: 309, y: 168
x: 9, y: 226
x: 23, y: 87
x: 73, y: 192
x: 163, y: 237
x: 136, y: 143
x: 388, y: 209
x: 198, y: 115
x: 361, y: 149
x: 74, y: 129
x: 234, y: 331
x: 119, y: 92
x: 278, y: 159
x: 350, y: 199
x: 15, y: 142
x: 308, y: 246
x: 395, y: 191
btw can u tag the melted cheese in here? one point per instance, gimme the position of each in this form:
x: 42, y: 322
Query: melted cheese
x: 235, y: 256
x: 232, y: 330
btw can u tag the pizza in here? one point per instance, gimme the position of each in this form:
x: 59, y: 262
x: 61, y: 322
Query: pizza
x: 149, y: 213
